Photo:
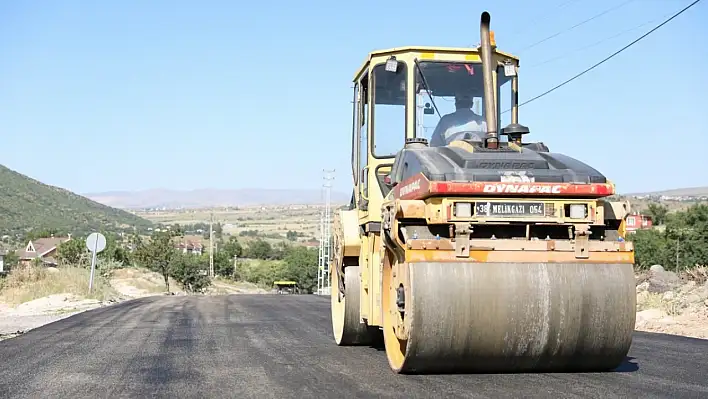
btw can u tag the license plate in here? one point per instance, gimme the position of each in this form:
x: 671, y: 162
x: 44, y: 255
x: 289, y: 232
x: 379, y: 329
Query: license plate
x: 509, y: 209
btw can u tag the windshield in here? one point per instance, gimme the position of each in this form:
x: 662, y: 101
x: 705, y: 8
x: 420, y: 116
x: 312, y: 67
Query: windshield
x: 455, y: 108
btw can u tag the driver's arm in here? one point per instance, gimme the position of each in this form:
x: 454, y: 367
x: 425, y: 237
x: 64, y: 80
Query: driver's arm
x: 437, y: 140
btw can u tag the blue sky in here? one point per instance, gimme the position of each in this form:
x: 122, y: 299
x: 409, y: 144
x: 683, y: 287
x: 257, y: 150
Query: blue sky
x: 127, y: 95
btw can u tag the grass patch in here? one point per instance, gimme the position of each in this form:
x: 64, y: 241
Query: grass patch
x: 649, y: 300
x: 25, y: 284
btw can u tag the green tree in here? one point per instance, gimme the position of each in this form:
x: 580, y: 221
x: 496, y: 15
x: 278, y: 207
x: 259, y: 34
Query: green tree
x: 291, y: 235
x: 682, y: 244
x: 11, y: 260
x: 223, y: 264
x: 73, y: 252
x: 657, y: 213
x: 114, y: 249
x: 190, y: 272
x: 650, y: 248
x: 232, y: 247
x: 177, y: 229
x: 301, y: 265
x: 259, y: 249
x: 158, y: 254
x: 218, y: 231
x: 688, y: 233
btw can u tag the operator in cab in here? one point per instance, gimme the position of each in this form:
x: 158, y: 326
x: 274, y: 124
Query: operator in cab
x: 463, y: 123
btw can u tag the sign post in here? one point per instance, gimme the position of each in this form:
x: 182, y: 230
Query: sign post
x: 95, y: 242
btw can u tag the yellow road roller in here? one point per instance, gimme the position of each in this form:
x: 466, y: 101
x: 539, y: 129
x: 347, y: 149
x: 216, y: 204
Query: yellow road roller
x: 465, y: 248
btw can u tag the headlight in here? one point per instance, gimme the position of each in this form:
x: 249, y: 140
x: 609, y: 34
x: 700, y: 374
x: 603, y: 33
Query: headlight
x: 577, y: 211
x: 463, y: 209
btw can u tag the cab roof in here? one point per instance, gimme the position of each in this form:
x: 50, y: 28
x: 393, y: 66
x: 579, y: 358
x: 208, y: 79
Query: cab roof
x: 424, y: 49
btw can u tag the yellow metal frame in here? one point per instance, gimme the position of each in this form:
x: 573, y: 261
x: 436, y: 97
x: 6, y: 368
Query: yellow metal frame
x: 369, y: 245
x: 406, y: 55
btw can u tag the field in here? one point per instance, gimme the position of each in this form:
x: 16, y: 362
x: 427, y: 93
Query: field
x: 274, y: 222
x: 271, y: 222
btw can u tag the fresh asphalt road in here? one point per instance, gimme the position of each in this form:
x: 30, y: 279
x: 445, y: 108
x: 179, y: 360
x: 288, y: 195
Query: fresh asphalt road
x: 262, y: 346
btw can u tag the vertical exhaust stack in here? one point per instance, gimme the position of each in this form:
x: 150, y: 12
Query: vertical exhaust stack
x: 492, y: 139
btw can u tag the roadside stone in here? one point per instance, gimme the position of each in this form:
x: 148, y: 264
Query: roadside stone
x: 657, y: 268
x: 693, y: 298
x: 649, y: 314
x: 643, y: 287
x: 663, y: 281
x: 688, y: 286
x: 702, y: 293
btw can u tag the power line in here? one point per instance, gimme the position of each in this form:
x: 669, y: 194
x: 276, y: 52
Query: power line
x: 576, y: 25
x: 531, y: 23
x: 566, y: 54
x: 609, y: 57
x: 543, y: 16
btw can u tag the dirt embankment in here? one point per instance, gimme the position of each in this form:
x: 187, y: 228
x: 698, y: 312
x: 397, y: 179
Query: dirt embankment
x: 673, y: 304
x: 135, y: 283
x: 31, y: 297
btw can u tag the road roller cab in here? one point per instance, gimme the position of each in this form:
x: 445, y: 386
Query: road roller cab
x: 467, y: 247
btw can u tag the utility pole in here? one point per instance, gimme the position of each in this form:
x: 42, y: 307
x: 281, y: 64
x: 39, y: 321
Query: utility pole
x: 323, y: 283
x: 211, y: 245
x: 679, y: 235
x: 320, y: 264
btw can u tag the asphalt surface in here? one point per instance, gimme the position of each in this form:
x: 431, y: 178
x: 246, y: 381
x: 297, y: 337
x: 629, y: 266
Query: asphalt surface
x: 263, y: 346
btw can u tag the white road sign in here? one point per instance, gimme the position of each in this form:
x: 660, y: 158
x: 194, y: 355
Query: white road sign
x: 96, y: 242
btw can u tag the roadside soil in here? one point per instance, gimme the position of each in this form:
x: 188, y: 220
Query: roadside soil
x: 673, y: 303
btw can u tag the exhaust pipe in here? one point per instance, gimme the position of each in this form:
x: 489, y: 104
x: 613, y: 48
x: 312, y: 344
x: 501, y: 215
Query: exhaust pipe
x: 490, y: 109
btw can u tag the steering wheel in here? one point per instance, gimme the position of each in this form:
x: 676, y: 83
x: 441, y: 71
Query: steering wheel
x: 465, y: 135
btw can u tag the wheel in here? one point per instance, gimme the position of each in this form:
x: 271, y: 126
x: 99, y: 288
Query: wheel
x: 346, y: 325
x: 393, y: 298
x: 506, y: 317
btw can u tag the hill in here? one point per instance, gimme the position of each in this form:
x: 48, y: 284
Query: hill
x: 208, y: 198
x: 26, y: 204
x: 677, y: 192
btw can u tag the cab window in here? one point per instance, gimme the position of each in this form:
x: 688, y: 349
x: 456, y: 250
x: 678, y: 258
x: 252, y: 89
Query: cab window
x: 389, y: 111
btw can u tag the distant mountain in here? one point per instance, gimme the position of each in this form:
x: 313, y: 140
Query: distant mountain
x: 677, y: 192
x: 26, y: 203
x: 203, y: 198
